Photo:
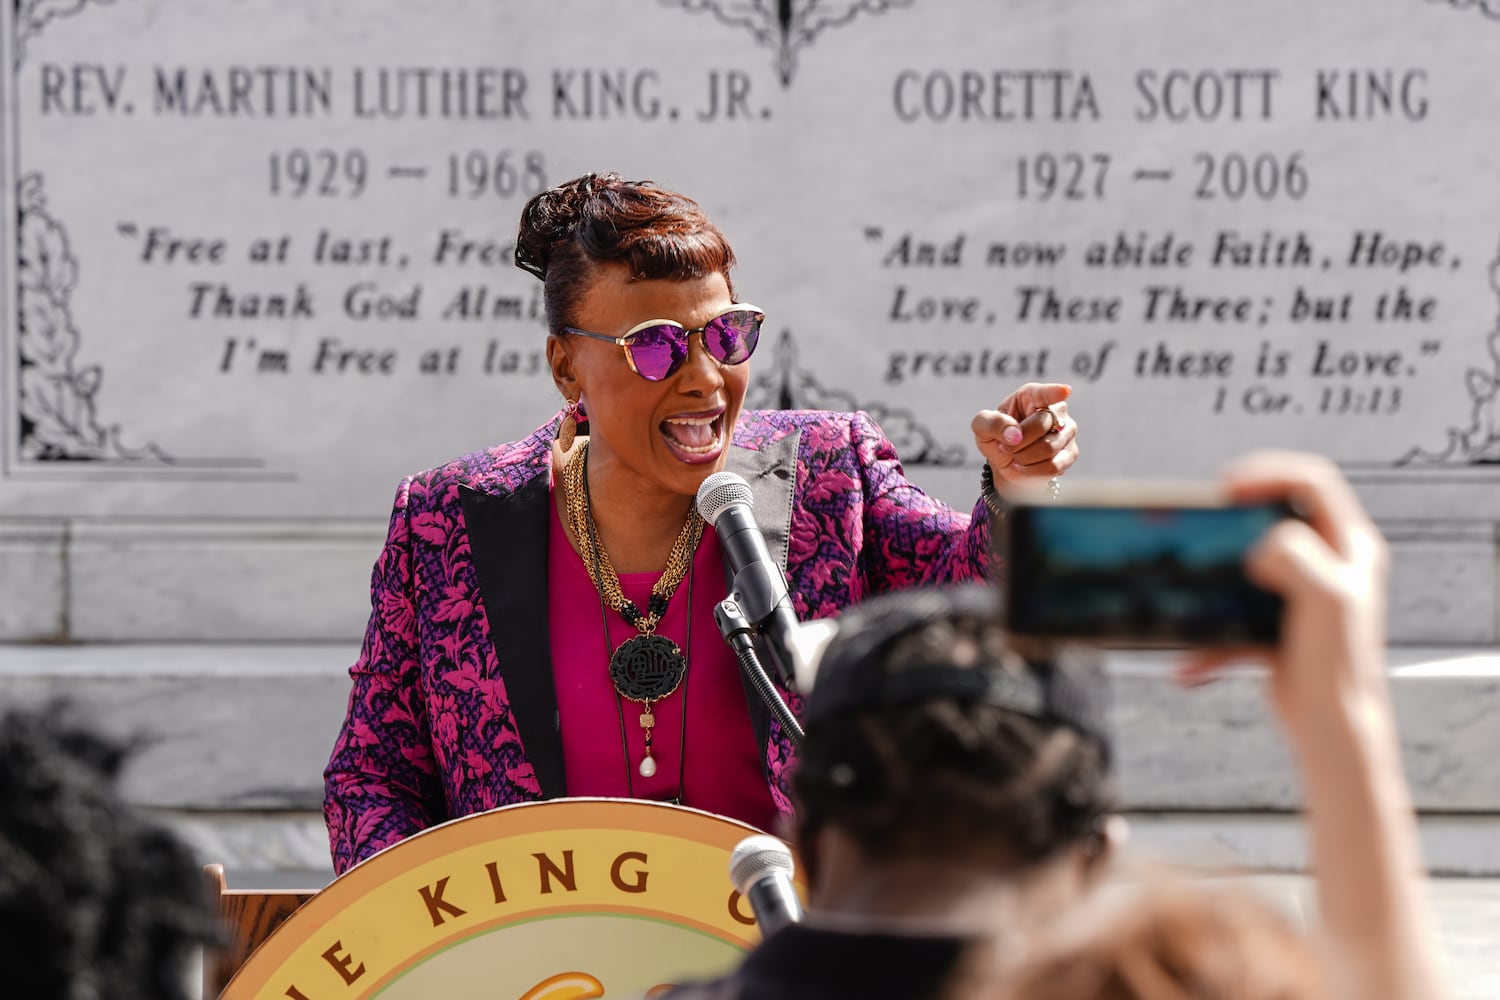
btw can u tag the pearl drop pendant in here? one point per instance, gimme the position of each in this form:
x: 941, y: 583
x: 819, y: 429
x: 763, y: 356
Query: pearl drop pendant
x: 648, y: 767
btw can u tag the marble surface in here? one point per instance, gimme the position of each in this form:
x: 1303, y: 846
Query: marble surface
x: 315, y: 411
x: 1443, y: 587
x: 209, y: 742
x: 247, y: 580
x: 33, y: 580
x: 292, y: 845
x: 260, y: 849
x: 307, y: 580
x: 1216, y: 748
x: 1459, y: 845
x: 249, y: 726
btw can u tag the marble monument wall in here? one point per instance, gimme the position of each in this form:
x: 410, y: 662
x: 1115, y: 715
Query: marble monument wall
x: 257, y: 259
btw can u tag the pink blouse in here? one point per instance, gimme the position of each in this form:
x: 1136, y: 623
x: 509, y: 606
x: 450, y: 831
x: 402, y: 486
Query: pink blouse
x: 711, y: 747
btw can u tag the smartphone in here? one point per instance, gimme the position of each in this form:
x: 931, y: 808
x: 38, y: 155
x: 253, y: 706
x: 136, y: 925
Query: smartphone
x: 1136, y: 566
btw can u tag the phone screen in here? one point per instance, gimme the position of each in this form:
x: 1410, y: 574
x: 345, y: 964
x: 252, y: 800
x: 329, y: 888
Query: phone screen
x: 1139, y: 575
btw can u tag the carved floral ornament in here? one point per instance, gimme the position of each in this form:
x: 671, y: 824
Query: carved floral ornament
x: 787, y: 27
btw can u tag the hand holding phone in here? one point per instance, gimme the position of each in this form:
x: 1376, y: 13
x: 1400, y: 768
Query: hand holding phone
x: 1329, y: 688
x: 1331, y: 567
x: 1154, y: 564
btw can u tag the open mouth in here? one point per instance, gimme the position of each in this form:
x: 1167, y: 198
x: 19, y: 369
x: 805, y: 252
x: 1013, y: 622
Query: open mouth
x: 695, y: 438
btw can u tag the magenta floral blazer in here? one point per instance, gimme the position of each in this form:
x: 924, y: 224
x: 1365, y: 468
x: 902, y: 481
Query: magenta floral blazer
x: 453, y: 709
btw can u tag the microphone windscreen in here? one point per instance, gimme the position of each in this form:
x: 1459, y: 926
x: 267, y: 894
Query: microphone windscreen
x: 721, y: 490
x: 755, y: 857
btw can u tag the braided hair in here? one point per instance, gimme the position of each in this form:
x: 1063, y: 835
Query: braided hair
x: 948, y: 776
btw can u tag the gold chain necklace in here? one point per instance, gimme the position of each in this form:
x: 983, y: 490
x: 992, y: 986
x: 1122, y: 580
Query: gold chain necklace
x: 596, y: 560
x: 646, y: 667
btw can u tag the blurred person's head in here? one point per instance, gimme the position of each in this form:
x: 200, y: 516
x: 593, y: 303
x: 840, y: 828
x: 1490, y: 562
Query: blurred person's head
x: 95, y: 902
x: 939, y: 763
x: 1162, y: 941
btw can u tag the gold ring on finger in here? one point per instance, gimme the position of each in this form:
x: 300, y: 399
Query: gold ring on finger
x: 1057, y: 421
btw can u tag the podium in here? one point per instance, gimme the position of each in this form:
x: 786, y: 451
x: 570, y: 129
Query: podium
x: 562, y: 900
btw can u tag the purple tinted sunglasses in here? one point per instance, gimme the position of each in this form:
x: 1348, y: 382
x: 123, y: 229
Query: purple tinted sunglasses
x: 658, y: 347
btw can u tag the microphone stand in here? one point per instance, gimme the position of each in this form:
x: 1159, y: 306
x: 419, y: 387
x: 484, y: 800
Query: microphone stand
x: 736, y: 630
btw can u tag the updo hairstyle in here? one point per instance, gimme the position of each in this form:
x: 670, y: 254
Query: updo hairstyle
x: 568, y: 230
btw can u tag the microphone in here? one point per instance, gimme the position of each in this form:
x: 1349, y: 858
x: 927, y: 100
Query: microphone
x: 759, y: 587
x: 761, y: 869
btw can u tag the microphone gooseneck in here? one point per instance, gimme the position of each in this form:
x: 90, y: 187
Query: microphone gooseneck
x: 761, y: 868
x: 735, y: 628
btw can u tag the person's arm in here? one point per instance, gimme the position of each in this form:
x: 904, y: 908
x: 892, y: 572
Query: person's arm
x: 1328, y: 687
x: 381, y: 785
x: 912, y: 539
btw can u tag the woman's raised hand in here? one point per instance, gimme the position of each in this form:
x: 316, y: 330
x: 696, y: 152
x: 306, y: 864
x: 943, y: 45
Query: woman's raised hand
x: 1029, y: 435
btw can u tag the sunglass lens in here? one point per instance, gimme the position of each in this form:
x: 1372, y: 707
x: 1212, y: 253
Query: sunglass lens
x: 658, y: 351
x: 731, y: 338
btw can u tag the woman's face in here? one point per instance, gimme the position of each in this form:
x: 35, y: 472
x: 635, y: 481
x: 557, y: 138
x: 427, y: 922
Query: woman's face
x: 668, y: 435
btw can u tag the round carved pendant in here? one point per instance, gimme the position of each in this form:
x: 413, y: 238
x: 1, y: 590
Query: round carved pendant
x: 647, y: 667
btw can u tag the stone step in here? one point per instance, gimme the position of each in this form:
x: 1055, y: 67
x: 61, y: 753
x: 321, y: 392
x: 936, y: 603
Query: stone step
x: 307, y: 580
x: 290, y: 849
x: 1216, y: 747
x: 237, y: 732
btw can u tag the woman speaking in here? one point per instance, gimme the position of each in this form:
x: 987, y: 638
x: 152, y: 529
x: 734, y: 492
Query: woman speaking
x: 517, y: 582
